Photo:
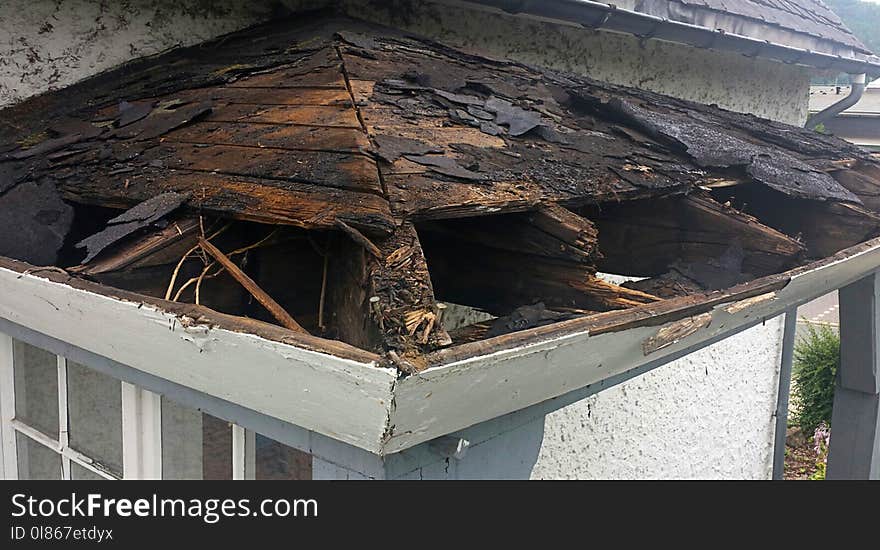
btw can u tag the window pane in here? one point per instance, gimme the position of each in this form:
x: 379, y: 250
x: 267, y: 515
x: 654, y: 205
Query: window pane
x: 278, y: 462
x: 36, y: 461
x: 94, y: 403
x: 79, y: 473
x: 36, y: 387
x: 194, y: 445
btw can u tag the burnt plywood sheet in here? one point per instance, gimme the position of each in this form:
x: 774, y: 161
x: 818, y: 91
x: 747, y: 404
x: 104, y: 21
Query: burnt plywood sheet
x: 412, y: 173
x: 309, y: 122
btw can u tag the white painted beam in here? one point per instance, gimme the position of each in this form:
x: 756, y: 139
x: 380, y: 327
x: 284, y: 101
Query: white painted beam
x: 7, y: 409
x: 341, y: 398
x: 351, y: 401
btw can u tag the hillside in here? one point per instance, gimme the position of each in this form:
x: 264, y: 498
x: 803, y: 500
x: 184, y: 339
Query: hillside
x: 862, y: 18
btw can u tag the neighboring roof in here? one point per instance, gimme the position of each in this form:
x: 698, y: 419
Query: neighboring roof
x: 807, y: 17
x: 805, y: 33
x: 380, y: 173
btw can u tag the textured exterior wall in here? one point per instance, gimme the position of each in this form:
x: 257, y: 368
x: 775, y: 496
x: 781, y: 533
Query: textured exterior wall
x: 764, y: 88
x: 708, y: 415
x: 48, y: 44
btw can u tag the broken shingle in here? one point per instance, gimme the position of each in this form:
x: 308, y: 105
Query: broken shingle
x: 391, y: 148
x: 446, y: 166
x: 712, y: 146
x: 34, y: 223
x: 130, y: 113
x: 518, y: 120
x: 142, y: 215
x: 162, y: 121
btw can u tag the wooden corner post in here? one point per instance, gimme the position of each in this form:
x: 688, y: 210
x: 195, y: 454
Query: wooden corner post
x: 855, y: 424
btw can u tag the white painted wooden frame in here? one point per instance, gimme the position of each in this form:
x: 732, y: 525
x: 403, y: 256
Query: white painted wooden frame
x: 7, y: 409
x: 141, y: 433
x: 310, y: 393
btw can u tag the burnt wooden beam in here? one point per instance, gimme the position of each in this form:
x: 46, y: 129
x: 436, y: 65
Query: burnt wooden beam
x: 359, y: 238
x: 386, y: 302
x: 645, y: 238
x: 245, y: 198
x: 864, y: 182
x: 549, y: 231
x: 824, y: 227
x: 499, y: 281
x: 271, y: 305
x: 499, y: 263
x: 158, y: 247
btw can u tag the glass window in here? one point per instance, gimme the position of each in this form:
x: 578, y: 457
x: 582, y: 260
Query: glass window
x: 36, y: 387
x: 194, y: 445
x: 36, y: 461
x: 280, y: 462
x: 80, y: 473
x: 94, y: 403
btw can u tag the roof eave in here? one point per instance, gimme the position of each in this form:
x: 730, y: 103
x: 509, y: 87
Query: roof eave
x: 361, y: 403
x: 608, y: 17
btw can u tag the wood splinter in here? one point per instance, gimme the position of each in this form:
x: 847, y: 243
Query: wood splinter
x: 359, y: 238
x: 271, y: 305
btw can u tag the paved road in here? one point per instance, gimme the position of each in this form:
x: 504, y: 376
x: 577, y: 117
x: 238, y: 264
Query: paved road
x: 821, y: 310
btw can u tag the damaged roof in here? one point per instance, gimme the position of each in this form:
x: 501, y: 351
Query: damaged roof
x: 349, y: 182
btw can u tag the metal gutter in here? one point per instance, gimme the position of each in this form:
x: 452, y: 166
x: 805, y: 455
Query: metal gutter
x: 855, y: 94
x: 597, y: 15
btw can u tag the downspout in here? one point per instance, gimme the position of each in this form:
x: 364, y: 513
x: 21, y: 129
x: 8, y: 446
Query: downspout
x: 855, y: 94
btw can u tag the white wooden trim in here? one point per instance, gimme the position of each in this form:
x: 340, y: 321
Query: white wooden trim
x: 63, y: 420
x: 359, y: 403
x: 448, y: 398
x: 65, y: 452
x: 244, y: 453
x: 7, y: 408
x: 36, y: 435
x: 342, y: 398
x: 141, y: 433
x: 250, y: 454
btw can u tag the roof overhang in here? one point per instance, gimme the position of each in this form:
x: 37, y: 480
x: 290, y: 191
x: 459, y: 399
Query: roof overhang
x: 609, y: 17
x: 348, y: 395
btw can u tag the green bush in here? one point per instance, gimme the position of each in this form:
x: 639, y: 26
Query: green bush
x: 816, y: 360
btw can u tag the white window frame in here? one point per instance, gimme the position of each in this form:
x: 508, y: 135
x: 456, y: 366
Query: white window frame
x: 141, y: 430
x: 12, y: 426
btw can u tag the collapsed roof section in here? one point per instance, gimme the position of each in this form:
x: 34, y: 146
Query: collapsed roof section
x: 349, y: 182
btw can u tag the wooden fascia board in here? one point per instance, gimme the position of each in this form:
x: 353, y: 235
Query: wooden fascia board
x: 366, y: 405
x: 449, y: 397
x: 346, y: 399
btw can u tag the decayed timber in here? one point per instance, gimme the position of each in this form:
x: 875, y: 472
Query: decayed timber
x: 499, y: 281
x: 645, y: 238
x: 410, y: 167
x: 550, y: 231
x: 158, y: 247
x: 386, y: 301
x: 271, y: 305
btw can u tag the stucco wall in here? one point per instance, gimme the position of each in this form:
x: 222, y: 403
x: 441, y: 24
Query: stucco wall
x: 708, y: 415
x: 48, y: 44
x: 765, y: 88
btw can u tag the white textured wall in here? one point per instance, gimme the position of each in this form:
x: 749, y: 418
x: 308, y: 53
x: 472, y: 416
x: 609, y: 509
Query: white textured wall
x: 707, y: 416
x: 765, y: 88
x: 48, y: 44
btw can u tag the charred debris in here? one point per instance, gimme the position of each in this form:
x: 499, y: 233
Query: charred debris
x: 359, y: 185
